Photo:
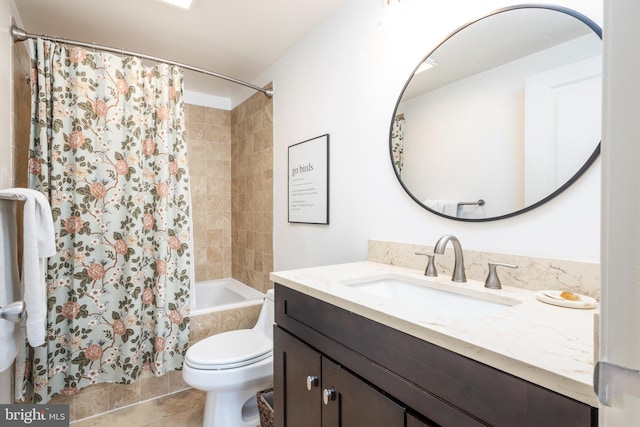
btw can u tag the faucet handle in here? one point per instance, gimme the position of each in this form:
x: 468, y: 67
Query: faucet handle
x: 430, y: 271
x: 493, y: 281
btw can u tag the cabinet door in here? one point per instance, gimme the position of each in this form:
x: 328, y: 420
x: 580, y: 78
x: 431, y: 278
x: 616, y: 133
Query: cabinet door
x: 297, y: 392
x: 349, y: 401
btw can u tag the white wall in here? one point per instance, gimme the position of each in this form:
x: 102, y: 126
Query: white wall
x: 344, y: 79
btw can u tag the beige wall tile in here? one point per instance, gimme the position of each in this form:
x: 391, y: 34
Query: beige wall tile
x: 252, y: 191
x: 123, y: 394
x: 152, y: 387
x: 176, y: 383
x: 239, y: 318
x: 209, y: 150
x: 95, y: 401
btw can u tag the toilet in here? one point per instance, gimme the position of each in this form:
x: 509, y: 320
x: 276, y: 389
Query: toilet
x: 232, y: 367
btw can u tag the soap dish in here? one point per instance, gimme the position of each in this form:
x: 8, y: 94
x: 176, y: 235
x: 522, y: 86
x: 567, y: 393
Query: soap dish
x: 556, y: 298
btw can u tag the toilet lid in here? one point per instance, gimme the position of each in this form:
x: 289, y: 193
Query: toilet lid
x: 229, y: 350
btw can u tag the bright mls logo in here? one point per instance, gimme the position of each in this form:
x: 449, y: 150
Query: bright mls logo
x: 34, y: 415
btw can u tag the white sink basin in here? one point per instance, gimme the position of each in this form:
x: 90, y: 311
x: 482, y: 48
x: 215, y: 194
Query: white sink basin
x: 430, y: 297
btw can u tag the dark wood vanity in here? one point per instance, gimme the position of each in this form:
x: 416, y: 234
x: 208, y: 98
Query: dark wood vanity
x: 333, y: 367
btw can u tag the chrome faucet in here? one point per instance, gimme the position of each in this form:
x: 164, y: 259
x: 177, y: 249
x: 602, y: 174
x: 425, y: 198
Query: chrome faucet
x: 458, y: 267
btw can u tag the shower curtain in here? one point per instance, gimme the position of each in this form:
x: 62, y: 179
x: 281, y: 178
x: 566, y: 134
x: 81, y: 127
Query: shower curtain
x: 108, y: 150
x: 397, y: 142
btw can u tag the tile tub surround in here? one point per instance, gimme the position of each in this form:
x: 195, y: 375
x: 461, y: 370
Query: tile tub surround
x: 231, y: 168
x: 209, y: 150
x: 205, y: 325
x: 532, y: 273
x: 547, y: 345
x: 252, y: 191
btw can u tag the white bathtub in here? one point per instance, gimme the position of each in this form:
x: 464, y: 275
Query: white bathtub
x: 224, y: 294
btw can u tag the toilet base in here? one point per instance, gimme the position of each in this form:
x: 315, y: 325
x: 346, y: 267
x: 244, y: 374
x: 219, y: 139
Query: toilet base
x: 232, y: 409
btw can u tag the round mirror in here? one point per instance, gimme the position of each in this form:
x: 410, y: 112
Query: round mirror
x: 503, y: 115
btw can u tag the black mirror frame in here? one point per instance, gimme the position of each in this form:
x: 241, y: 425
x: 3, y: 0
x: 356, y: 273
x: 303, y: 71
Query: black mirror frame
x: 585, y: 20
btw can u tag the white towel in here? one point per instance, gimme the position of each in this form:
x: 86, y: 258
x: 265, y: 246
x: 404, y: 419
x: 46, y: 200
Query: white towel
x: 8, y: 280
x: 39, y: 244
x: 447, y: 207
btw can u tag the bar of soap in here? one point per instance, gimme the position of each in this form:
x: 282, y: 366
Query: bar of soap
x: 569, y: 296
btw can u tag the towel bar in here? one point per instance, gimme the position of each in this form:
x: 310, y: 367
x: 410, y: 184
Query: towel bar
x: 11, y: 197
x: 13, y: 312
x: 480, y: 202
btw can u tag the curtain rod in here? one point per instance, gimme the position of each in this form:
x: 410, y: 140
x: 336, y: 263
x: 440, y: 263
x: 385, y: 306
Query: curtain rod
x: 20, y: 35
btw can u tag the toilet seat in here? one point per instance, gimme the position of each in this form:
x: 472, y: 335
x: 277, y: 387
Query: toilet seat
x: 228, y: 350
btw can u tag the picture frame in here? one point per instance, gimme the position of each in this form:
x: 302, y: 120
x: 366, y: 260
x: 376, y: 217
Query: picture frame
x: 308, y: 182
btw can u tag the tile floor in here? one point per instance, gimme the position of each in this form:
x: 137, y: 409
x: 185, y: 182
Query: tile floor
x: 182, y: 409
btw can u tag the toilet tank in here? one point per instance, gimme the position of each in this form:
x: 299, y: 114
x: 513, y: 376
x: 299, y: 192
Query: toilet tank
x: 267, y: 313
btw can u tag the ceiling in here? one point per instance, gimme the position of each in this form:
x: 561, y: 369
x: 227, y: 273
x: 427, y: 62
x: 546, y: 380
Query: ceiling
x: 236, y: 38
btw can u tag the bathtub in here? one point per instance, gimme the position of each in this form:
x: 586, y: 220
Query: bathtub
x: 224, y: 294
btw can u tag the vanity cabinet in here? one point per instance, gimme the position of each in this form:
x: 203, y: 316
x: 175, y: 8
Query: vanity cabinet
x: 315, y: 391
x: 372, y: 375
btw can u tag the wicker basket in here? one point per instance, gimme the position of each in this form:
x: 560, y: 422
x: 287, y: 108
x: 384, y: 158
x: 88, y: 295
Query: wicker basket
x: 265, y: 406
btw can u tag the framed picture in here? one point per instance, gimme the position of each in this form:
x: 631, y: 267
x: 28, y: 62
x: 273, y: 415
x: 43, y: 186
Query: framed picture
x: 309, y: 181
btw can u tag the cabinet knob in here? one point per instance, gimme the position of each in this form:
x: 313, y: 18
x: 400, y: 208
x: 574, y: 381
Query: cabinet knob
x: 328, y: 394
x: 312, y: 381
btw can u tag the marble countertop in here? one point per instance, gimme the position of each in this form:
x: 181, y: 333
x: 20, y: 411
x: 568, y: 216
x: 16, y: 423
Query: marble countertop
x: 545, y: 344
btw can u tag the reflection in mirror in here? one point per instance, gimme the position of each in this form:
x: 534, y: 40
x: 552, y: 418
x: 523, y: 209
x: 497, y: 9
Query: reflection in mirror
x: 506, y: 116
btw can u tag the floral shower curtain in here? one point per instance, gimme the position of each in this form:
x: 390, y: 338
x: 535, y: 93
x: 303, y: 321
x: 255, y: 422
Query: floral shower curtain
x: 397, y: 142
x: 108, y: 149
